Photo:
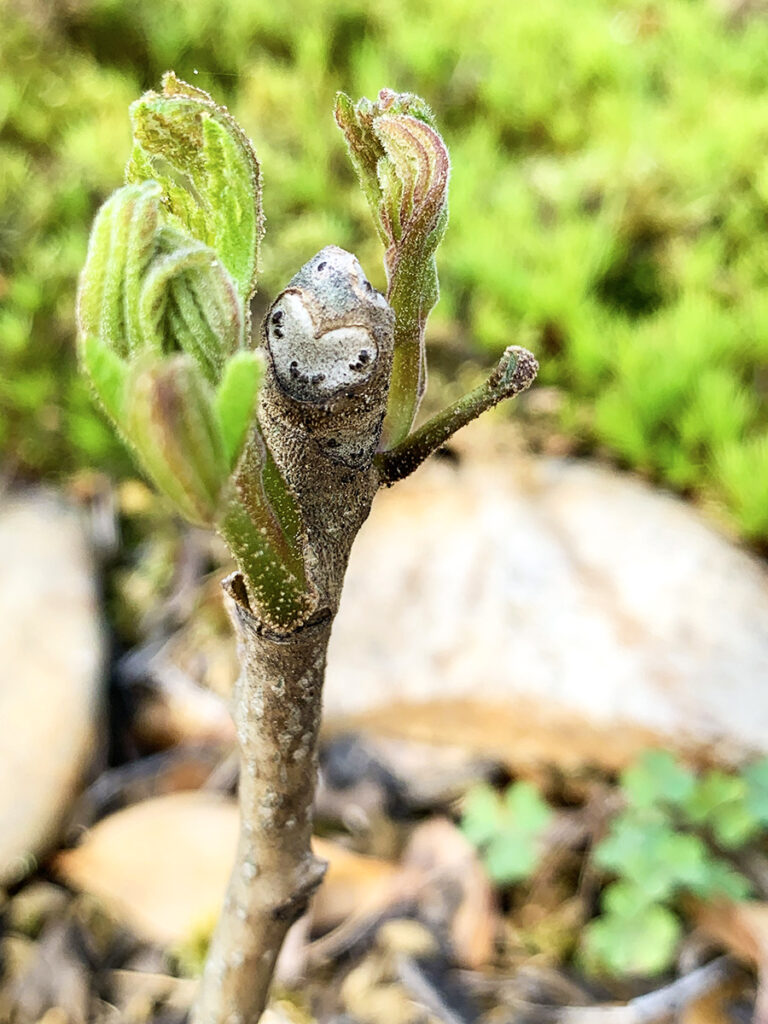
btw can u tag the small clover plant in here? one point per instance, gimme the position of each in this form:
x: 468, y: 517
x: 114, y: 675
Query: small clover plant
x: 667, y: 842
x: 672, y: 838
x: 507, y: 828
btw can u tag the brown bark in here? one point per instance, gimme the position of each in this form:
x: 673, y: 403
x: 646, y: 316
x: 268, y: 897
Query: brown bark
x: 277, y: 705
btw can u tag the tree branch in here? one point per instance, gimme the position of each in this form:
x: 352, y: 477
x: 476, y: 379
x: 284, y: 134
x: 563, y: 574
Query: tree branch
x: 515, y: 373
x: 276, y: 706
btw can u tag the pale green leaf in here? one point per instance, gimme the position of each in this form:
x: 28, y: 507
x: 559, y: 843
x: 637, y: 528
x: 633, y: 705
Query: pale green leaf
x: 640, y: 943
x: 657, y: 777
x: 107, y: 373
x: 236, y: 400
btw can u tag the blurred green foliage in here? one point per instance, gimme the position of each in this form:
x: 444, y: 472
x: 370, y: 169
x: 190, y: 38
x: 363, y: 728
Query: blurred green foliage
x: 677, y: 834
x: 507, y: 828
x: 674, y: 837
x: 609, y: 199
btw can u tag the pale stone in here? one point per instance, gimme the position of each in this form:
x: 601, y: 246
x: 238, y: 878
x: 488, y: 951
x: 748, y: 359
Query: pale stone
x: 51, y: 675
x: 549, y: 608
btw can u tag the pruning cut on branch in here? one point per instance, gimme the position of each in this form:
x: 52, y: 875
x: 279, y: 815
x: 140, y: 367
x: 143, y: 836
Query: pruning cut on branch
x: 279, y: 443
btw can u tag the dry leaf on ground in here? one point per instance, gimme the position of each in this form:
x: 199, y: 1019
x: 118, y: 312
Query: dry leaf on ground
x: 742, y: 928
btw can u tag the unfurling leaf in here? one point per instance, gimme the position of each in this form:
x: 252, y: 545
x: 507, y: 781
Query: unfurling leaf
x: 403, y: 167
x: 208, y: 172
x: 163, y: 312
x: 148, y: 286
x: 122, y: 245
x: 365, y: 149
x: 189, y: 302
x: 171, y: 422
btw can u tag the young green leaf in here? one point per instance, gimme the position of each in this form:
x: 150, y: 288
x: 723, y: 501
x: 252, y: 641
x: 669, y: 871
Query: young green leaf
x: 720, y: 881
x: 657, y: 777
x: 632, y: 936
x: 646, y: 850
x: 511, y: 856
x: 525, y: 809
x: 121, y: 248
x: 403, y: 167
x: 206, y: 165
x: 481, y: 817
x: 719, y: 802
x: 507, y: 829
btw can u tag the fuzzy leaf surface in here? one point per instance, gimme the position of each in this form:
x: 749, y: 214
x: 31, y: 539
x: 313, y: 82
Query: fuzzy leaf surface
x: 171, y: 423
x: 208, y: 171
x: 403, y: 167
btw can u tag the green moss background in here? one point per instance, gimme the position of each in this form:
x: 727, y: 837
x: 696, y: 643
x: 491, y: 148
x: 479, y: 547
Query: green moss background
x: 609, y: 200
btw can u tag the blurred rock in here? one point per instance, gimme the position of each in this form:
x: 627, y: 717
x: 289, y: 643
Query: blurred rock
x: 50, y: 680
x: 548, y: 610
x: 526, y: 611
